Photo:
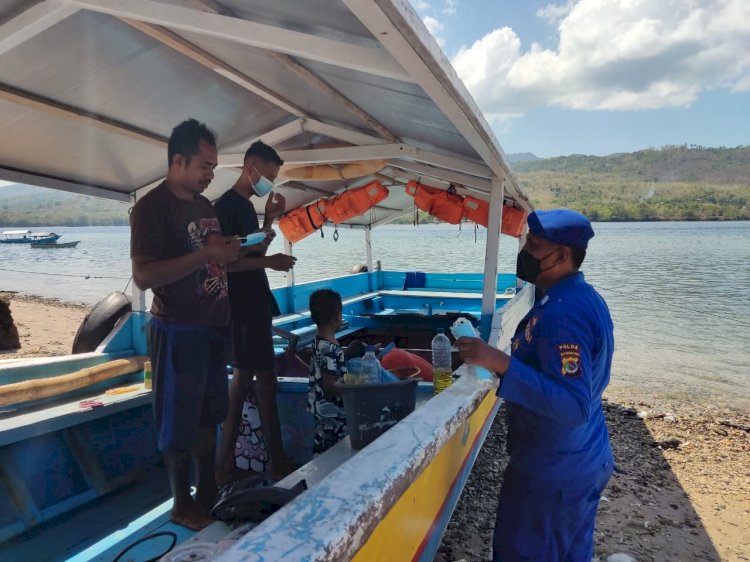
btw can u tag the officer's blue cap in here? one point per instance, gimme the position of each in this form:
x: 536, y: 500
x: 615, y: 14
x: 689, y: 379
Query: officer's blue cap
x: 561, y: 226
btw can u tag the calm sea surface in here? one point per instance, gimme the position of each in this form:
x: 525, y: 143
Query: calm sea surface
x: 678, y: 292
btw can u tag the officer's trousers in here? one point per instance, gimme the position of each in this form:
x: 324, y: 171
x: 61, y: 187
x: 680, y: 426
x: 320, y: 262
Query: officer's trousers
x: 550, y: 521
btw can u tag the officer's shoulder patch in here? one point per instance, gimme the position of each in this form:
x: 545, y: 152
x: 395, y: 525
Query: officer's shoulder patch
x: 528, y: 331
x: 570, y: 359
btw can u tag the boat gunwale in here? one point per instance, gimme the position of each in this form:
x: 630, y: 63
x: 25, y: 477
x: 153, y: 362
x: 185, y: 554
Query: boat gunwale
x: 372, y: 485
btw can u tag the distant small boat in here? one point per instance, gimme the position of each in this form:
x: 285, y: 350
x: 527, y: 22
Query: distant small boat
x: 15, y: 237
x: 55, y: 244
x: 27, y: 236
x: 43, y: 238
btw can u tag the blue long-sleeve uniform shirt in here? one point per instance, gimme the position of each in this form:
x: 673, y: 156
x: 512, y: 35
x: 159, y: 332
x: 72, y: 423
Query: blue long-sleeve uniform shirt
x: 560, y: 365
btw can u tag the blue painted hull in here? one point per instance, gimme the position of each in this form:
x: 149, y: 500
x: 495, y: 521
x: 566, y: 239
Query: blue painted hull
x: 53, y: 464
x: 45, y: 239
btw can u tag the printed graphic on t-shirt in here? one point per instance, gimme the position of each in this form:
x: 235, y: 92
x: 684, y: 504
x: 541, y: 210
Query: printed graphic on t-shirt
x: 214, y: 276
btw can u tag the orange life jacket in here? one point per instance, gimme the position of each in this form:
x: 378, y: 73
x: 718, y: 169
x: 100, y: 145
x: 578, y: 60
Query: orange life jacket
x: 441, y: 204
x: 478, y: 211
x: 354, y: 202
x: 299, y: 223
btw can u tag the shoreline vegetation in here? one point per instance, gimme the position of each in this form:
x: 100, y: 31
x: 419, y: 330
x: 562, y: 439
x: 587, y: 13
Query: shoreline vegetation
x: 673, y: 183
x: 681, y: 490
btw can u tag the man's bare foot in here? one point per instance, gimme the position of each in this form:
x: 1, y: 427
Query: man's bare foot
x: 194, y: 519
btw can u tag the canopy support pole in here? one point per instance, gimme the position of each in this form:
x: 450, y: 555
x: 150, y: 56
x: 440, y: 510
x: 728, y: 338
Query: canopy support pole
x: 289, y: 278
x: 368, y: 253
x: 368, y: 248
x: 490, y: 255
x: 521, y: 244
x: 138, y: 323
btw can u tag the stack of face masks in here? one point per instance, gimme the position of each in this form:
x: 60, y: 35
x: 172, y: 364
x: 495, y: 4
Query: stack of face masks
x: 464, y: 328
x: 354, y: 365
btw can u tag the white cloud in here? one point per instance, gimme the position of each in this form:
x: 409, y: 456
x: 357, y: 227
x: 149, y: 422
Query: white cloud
x: 433, y: 24
x: 614, y: 54
x: 421, y: 5
x: 553, y: 13
x: 450, y: 8
x: 435, y: 28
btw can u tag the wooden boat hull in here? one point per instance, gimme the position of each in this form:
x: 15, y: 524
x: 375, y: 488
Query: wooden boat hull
x: 47, y: 245
x: 44, y: 238
x: 389, y: 501
x: 428, y: 503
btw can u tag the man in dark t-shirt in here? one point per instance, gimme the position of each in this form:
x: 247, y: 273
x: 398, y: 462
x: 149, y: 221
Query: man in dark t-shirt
x: 178, y: 252
x: 253, y: 306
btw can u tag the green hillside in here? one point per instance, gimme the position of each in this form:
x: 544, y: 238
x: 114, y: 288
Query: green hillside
x: 26, y: 206
x: 671, y: 183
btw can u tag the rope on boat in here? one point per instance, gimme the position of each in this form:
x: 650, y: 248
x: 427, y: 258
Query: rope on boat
x: 170, y: 534
x: 66, y: 274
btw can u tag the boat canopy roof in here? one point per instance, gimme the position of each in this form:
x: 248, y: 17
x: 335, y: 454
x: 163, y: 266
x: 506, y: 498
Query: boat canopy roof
x: 15, y: 232
x: 91, y: 89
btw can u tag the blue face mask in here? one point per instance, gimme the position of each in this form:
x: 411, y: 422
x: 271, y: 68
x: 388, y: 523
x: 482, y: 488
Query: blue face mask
x: 263, y: 185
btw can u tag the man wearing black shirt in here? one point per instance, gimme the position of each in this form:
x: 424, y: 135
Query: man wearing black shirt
x: 178, y: 252
x: 253, y: 305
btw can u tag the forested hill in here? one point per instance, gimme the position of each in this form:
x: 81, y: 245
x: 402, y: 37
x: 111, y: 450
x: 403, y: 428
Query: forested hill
x: 28, y: 206
x: 671, y: 183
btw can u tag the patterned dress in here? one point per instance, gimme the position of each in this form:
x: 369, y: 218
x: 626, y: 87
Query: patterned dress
x: 328, y: 410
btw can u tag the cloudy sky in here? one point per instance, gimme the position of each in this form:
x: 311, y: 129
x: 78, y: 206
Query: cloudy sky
x: 601, y: 76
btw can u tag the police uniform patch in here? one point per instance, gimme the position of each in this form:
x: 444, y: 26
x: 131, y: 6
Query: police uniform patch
x: 529, y: 326
x: 570, y: 359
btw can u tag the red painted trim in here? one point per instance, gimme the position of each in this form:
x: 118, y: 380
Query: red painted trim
x: 433, y: 525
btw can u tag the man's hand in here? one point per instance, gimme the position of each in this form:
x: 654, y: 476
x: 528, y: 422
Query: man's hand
x: 280, y: 262
x: 270, y: 235
x: 475, y: 351
x: 275, y: 206
x: 222, y: 249
x: 261, y: 247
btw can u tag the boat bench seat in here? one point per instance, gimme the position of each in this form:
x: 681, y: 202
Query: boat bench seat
x: 441, y: 294
x: 304, y: 315
x: 49, y: 418
x: 305, y: 336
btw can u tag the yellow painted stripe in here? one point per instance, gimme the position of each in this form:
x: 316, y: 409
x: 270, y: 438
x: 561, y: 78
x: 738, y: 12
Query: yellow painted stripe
x: 400, y: 533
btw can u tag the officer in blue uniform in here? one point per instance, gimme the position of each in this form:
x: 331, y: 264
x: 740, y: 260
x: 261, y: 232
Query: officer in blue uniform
x: 561, y: 354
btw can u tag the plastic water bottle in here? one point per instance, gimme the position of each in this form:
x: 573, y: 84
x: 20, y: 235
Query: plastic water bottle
x: 370, y: 371
x: 147, y: 378
x: 442, y: 373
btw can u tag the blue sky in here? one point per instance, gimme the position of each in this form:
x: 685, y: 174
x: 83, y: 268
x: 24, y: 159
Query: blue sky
x: 601, y: 76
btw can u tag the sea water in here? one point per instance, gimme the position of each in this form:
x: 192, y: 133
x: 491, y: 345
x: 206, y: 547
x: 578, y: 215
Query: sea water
x: 677, y: 291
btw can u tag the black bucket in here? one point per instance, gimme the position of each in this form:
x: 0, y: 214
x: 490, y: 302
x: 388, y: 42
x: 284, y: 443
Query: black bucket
x: 372, y: 409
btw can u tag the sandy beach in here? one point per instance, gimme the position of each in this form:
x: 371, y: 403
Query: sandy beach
x: 46, y: 327
x: 681, y: 491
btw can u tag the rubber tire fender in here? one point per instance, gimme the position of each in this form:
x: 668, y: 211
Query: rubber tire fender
x: 100, y: 321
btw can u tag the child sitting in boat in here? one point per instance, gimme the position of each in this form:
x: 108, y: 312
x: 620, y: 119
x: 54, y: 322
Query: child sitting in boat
x: 328, y: 365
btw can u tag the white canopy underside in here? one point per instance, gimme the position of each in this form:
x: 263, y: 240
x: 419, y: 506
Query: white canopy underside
x: 91, y: 89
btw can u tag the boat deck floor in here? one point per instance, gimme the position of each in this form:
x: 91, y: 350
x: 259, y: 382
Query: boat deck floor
x: 102, y: 529
x: 88, y: 532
